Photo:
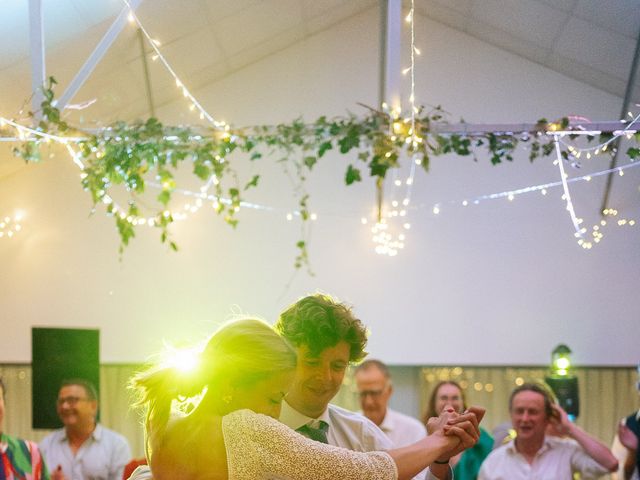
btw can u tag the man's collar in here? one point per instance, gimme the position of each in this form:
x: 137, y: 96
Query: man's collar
x: 294, y: 419
x: 387, y: 424
x: 546, y: 444
x: 95, y: 435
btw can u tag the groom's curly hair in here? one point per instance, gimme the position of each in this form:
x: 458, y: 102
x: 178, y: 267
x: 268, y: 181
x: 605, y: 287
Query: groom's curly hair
x: 319, y: 322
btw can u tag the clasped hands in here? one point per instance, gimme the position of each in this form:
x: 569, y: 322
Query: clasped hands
x: 461, y: 429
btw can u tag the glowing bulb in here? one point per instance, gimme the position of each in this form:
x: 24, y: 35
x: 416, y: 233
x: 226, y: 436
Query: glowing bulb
x: 436, y: 210
x: 131, y: 17
x: 183, y: 360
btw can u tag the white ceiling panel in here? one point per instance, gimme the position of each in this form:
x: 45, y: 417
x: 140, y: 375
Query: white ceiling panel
x: 178, y: 19
x: 94, y: 12
x: 257, y: 24
x: 441, y: 12
x: 596, y: 47
x: 590, y: 40
x: 621, y: 16
x: 459, y: 6
x: 534, y: 21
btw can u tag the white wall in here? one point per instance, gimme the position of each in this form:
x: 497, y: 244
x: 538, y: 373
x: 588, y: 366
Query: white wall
x: 495, y: 284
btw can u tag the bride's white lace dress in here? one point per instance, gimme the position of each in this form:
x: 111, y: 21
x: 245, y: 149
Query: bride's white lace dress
x: 261, y: 448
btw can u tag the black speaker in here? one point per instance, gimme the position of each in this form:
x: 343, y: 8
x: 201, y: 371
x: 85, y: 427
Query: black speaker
x: 59, y: 354
x: 566, y: 391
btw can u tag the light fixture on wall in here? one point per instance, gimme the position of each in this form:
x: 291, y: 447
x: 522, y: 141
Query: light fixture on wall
x: 563, y: 382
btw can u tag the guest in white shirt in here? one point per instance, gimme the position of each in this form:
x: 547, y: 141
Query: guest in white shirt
x: 375, y: 389
x: 534, y: 454
x: 83, y: 449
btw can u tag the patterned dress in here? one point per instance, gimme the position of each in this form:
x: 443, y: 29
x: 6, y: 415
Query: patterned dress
x: 21, y: 460
x: 261, y: 448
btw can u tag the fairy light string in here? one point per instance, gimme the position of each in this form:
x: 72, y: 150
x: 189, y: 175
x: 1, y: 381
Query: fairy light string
x: 10, y: 225
x: 386, y: 242
x: 194, y: 103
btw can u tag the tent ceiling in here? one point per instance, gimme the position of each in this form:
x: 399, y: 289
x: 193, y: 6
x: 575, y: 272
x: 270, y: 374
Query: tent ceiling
x: 206, y: 40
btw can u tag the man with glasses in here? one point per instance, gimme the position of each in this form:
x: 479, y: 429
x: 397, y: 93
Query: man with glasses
x: 374, y: 386
x: 83, y: 449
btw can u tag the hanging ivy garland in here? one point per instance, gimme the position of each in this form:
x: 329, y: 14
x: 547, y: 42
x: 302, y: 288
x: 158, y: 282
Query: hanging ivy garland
x: 128, y: 154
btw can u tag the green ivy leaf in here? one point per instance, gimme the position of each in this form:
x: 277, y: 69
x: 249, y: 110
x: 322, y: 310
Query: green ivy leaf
x: 353, y: 175
x: 164, y: 197
x: 324, y: 147
x: 201, y: 171
x: 310, y: 161
x: 253, y: 182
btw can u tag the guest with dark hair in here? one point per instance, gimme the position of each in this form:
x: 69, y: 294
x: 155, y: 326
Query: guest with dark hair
x: 466, y: 465
x: 536, y: 454
x: 230, y: 431
x: 83, y: 449
x: 19, y: 459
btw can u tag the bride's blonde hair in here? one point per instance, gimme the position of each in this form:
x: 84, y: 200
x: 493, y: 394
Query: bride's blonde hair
x: 240, y: 353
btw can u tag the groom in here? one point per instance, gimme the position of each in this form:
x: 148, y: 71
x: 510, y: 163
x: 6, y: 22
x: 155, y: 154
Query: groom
x: 328, y: 337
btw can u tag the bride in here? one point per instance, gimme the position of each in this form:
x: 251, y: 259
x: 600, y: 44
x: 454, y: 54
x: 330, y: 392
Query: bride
x: 232, y: 432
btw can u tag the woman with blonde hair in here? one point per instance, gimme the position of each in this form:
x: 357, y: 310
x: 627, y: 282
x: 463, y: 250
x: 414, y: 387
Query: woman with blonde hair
x: 232, y: 432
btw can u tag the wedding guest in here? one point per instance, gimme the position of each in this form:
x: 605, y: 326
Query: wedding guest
x: 231, y: 432
x: 375, y: 388
x: 466, y: 465
x: 83, y: 449
x: 536, y: 454
x: 19, y: 459
x: 625, y: 444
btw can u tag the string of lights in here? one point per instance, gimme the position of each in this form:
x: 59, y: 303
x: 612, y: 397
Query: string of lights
x: 155, y: 45
x: 11, y: 226
x: 385, y: 242
x: 565, y: 187
x: 542, y: 188
x: 628, y: 131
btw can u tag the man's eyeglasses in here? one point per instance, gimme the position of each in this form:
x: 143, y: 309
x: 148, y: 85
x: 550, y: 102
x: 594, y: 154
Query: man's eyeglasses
x: 371, y: 393
x: 70, y: 400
